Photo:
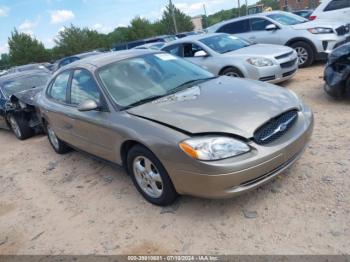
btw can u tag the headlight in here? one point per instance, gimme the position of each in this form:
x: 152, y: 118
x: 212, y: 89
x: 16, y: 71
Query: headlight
x: 213, y: 147
x: 259, y: 61
x: 320, y: 30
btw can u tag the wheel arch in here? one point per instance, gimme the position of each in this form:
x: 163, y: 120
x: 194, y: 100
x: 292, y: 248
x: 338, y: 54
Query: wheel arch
x: 231, y: 66
x: 302, y: 39
x: 125, y: 148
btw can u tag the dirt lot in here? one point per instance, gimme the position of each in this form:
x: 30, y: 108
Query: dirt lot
x: 73, y: 204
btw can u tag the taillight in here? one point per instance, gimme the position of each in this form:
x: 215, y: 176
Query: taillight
x: 312, y: 17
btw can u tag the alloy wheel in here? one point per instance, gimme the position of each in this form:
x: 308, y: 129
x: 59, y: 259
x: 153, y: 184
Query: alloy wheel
x: 53, y: 138
x: 232, y: 74
x: 302, y: 55
x: 148, y: 177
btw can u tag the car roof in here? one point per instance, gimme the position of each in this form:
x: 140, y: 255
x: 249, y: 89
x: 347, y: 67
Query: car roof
x: 149, y: 44
x: 264, y: 14
x: 21, y: 74
x: 106, y: 58
x: 193, y: 38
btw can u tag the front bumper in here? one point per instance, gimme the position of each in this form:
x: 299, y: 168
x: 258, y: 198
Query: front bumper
x: 324, y: 44
x: 276, y: 73
x: 230, y: 177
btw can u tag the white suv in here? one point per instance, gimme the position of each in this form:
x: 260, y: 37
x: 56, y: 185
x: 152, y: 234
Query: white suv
x: 333, y: 9
x: 313, y: 40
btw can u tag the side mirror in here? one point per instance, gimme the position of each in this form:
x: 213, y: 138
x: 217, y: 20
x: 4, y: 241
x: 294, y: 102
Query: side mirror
x: 271, y: 27
x: 88, y: 105
x: 201, y: 53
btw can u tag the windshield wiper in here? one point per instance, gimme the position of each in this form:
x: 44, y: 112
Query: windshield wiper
x: 187, y: 84
x: 144, y: 100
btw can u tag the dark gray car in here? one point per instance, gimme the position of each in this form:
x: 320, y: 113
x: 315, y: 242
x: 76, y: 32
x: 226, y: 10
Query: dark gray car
x: 177, y: 128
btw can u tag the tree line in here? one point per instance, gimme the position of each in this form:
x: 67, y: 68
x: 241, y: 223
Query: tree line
x: 25, y: 49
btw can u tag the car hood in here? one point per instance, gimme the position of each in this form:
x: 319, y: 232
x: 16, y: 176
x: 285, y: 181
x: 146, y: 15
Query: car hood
x: 319, y: 23
x: 221, y: 105
x: 260, y: 50
x: 27, y: 96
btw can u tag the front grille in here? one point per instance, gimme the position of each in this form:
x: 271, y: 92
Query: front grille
x: 275, y: 128
x: 289, y: 63
x: 342, y: 30
x: 284, y: 55
x: 267, y: 78
x: 289, y: 73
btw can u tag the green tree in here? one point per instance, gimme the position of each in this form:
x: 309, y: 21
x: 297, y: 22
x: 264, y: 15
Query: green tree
x: 73, y: 40
x: 25, y: 49
x: 140, y: 28
x: 4, y: 61
x: 183, y: 21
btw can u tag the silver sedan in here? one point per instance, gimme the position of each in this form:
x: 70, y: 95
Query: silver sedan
x: 223, y: 54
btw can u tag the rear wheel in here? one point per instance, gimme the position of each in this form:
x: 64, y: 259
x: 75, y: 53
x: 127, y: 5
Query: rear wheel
x: 231, y: 71
x: 20, y: 127
x: 58, y: 145
x: 150, y: 177
x: 305, y: 53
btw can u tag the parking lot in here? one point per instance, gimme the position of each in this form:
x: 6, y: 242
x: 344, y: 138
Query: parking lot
x: 74, y: 204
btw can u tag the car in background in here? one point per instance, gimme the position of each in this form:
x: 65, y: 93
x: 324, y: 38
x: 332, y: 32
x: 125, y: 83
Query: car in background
x: 313, y: 40
x: 67, y: 60
x: 338, y: 10
x: 17, y: 105
x: 224, y: 54
x: 304, y: 13
x: 175, y: 127
x: 337, y: 73
x: 184, y: 34
x: 152, y: 46
x: 3, y: 72
x: 133, y: 44
x: 28, y: 67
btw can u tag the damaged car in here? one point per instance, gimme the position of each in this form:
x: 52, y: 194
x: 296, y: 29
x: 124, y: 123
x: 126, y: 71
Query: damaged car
x: 17, y: 104
x: 175, y: 127
x: 337, y: 72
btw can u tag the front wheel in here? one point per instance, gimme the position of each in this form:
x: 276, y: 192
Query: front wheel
x: 231, y: 71
x: 150, y: 177
x: 305, y: 54
x: 20, y: 127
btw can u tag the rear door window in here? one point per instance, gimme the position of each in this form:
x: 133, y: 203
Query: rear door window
x: 337, y: 4
x: 238, y: 27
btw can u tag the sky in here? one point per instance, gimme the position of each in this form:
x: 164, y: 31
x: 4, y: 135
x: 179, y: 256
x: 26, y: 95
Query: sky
x: 45, y: 18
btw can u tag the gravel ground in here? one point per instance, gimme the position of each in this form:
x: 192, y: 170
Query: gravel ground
x: 74, y: 204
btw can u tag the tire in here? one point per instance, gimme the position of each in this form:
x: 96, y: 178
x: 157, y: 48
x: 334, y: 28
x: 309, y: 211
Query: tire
x: 57, y: 144
x: 20, y: 127
x: 335, y: 92
x: 150, y: 177
x: 231, y: 71
x: 305, y: 53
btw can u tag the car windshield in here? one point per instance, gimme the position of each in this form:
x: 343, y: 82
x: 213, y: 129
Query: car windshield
x: 288, y: 19
x: 10, y: 87
x: 224, y: 43
x: 147, y: 77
